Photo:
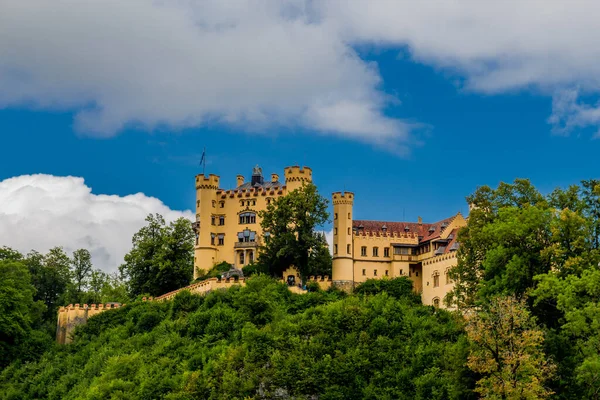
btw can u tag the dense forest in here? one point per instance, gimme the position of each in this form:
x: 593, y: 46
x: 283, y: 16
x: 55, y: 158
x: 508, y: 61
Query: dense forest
x: 523, y: 320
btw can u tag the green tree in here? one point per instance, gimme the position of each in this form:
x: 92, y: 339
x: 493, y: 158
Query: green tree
x: 162, y: 257
x: 81, y: 269
x: 291, y: 221
x: 502, y: 246
x: 507, y: 351
x: 51, y: 279
x: 16, y: 304
x: 6, y: 253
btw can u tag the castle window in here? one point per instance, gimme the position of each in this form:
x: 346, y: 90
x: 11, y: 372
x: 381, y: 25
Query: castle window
x: 212, y: 239
x: 335, y: 249
x: 198, y: 203
x: 253, y: 202
x: 387, y: 273
x: 363, y: 251
x: 221, y: 238
x: 246, y: 236
x: 212, y: 220
x: 348, y: 231
x: 221, y: 204
x: 436, y: 302
x: 386, y: 252
x: 242, y: 257
x: 221, y: 220
x: 364, y: 272
x: 197, y: 238
x: 375, y: 251
x: 268, y: 200
x: 242, y: 203
x: 251, y: 257
x: 374, y: 272
x: 214, y: 203
x: 335, y: 231
x: 335, y: 216
x: 348, y: 249
x: 401, y: 272
x: 448, y: 279
x: 349, y: 216
x: 247, y: 218
x: 436, y: 279
x: 417, y: 273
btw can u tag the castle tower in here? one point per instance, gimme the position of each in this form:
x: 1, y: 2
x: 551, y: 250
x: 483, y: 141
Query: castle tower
x: 295, y: 177
x: 343, y: 265
x: 205, y: 252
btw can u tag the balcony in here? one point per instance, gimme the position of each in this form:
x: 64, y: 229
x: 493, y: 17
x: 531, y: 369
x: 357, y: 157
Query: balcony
x: 245, y: 245
x: 404, y: 257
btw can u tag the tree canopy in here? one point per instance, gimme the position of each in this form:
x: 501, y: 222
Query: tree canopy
x: 162, y: 257
x: 291, y: 224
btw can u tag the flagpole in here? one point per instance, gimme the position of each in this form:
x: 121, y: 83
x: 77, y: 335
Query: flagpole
x: 204, y: 161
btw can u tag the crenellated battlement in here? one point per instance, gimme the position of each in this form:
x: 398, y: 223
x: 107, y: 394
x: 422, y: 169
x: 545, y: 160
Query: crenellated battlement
x: 343, y: 198
x: 207, y: 182
x: 73, y: 315
x: 296, y: 173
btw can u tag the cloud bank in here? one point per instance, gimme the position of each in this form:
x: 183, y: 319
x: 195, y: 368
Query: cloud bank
x: 272, y: 63
x: 43, y: 211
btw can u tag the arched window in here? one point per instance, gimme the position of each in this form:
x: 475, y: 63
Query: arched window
x: 436, y: 302
x: 247, y: 218
x: 242, y: 257
x: 436, y: 279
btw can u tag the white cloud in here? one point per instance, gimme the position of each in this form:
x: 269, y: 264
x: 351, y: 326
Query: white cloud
x: 42, y: 211
x: 181, y: 64
x: 279, y: 62
x: 569, y: 114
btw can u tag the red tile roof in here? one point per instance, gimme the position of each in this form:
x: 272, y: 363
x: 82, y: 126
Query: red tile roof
x: 422, y: 230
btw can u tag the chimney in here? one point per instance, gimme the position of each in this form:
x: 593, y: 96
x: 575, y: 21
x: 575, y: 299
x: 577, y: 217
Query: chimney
x: 420, y: 221
x: 240, y: 180
x: 274, y: 178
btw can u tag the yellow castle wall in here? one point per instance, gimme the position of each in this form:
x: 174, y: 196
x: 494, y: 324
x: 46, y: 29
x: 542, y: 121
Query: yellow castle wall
x: 215, y: 202
x: 437, y: 265
x: 71, y: 316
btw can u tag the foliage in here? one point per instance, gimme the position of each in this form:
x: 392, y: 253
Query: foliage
x: 291, y: 222
x: 398, y: 288
x: 215, y: 272
x: 17, y: 309
x: 81, y: 268
x: 257, y: 341
x: 161, y: 259
x: 507, y: 351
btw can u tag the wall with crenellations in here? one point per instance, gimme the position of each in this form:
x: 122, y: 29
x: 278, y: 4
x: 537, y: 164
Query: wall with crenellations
x: 71, y: 316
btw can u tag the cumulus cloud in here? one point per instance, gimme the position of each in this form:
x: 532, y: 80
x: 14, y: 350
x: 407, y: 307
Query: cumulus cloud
x: 268, y: 63
x: 181, y: 64
x: 43, y: 211
x: 568, y: 113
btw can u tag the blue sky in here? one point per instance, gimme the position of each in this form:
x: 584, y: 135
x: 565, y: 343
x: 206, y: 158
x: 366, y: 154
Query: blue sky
x: 472, y: 140
x: 411, y: 108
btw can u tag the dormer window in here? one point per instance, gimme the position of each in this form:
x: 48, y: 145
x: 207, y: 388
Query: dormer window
x: 431, y: 229
x: 384, y: 228
x: 406, y: 228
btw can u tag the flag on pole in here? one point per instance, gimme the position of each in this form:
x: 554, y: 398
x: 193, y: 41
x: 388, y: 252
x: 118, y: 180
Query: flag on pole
x: 203, y: 156
x: 203, y: 160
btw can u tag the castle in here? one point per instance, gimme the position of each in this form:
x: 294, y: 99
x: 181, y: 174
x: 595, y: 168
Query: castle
x: 228, y: 230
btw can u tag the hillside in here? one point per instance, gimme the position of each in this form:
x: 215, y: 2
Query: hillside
x: 257, y: 341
